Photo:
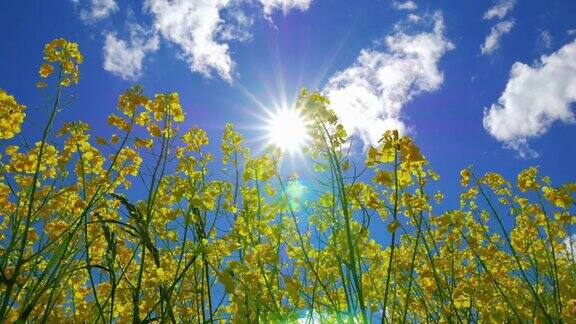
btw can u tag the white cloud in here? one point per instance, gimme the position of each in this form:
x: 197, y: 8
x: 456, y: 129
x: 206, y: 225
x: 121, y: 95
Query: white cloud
x: 203, y: 28
x: 194, y: 27
x: 124, y: 59
x: 237, y: 26
x: 368, y: 96
x: 406, y: 5
x: 413, y: 18
x: 492, y: 41
x: 535, y: 97
x: 500, y: 9
x: 97, y: 10
x: 268, y: 6
x: 200, y: 29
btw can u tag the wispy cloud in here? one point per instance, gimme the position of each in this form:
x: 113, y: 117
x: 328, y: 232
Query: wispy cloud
x: 369, y: 95
x: 535, y: 97
x: 492, y: 41
x: 95, y: 10
x: 268, y: 6
x: 500, y: 9
x: 544, y: 40
x: 405, y: 5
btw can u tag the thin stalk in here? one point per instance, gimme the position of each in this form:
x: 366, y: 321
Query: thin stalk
x: 392, y: 239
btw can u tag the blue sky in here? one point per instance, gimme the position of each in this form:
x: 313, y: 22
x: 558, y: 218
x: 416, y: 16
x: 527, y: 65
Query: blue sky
x: 440, y: 70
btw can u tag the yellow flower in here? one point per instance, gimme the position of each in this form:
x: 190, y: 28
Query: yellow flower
x: 393, y: 226
x: 65, y: 82
x: 169, y: 104
x: 142, y: 118
x: 64, y: 54
x: 438, y: 196
x: 129, y: 100
x: 119, y: 122
x: 100, y: 140
x: 154, y: 130
x: 194, y: 139
x: 11, y: 115
x: 465, y: 177
x: 527, y: 179
x: 147, y: 143
x: 571, y: 308
x: 384, y: 178
x: 162, y: 275
x: 227, y: 281
x: 462, y: 302
x: 45, y: 70
x: 559, y: 197
x: 11, y: 149
x: 372, y: 157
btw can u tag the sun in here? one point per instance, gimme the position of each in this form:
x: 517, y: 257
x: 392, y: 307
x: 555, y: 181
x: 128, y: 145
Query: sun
x: 287, y: 129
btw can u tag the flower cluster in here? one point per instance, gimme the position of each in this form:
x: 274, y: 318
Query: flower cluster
x: 64, y: 56
x: 11, y: 115
x: 144, y: 224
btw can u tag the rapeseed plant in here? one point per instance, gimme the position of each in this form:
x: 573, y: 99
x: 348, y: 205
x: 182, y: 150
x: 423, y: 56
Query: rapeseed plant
x: 78, y: 244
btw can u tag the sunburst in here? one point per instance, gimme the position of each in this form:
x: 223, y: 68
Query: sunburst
x: 287, y: 129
